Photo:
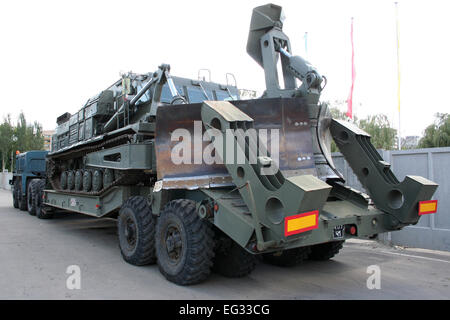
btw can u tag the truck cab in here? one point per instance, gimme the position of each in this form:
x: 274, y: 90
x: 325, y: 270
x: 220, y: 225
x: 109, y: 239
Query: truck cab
x: 29, y: 166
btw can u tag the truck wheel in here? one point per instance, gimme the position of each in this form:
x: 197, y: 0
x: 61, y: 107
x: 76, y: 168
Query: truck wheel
x: 16, y: 194
x: 41, y: 210
x: 288, y: 258
x: 325, y: 251
x: 136, y: 228
x: 22, y: 199
x: 30, y: 197
x: 184, y: 243
x: 232, y: 261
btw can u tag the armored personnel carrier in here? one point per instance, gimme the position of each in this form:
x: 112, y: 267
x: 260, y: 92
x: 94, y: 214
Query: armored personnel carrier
x: 200, y: 180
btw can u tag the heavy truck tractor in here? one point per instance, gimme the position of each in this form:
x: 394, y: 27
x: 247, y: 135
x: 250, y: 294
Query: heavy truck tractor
x: 200, y: 180
x: 27, y: 179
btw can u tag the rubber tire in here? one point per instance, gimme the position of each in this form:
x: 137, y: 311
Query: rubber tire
x: 78, y: 180
x: 325, y: 251
x: 31, y: 208
x: 87, y: 180
x: 41, y: 211
x: 138, y: 209
x: 16, y: 194
x: 71, y: 180
x: 234, y: 261
x: 197, y: 239
x: 108, y: 177
x: 63, y: 180
x: 22, y: 199
x: 97, y: 180
x: 288, y: 258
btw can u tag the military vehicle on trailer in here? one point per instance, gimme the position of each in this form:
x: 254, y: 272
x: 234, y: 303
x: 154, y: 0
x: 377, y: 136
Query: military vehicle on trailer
x: 194, y: 189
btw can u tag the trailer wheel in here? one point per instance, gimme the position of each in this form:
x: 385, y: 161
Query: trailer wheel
x: 288, y: 258
x: 41, y: 210
x: 184, y: 243
x: 232, y: 261
x: 30, y: 197
x: 325, y: 251
x: 16, y: 194
x: 22, y: 198
x: 136, y: 229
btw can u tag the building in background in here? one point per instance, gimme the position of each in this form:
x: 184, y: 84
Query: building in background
x: 410, y: 142
x: 48, y: 139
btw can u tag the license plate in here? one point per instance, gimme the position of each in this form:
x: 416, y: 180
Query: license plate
x: 338, y: 232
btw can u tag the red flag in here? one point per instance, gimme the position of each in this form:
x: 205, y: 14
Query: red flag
x: 350, y: 96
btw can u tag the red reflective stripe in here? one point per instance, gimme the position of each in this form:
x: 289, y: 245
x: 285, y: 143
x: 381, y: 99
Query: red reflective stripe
x: 286, y: 220
x: 427, y: 202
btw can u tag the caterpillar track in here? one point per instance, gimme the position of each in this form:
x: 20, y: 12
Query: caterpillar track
x: 121, y: 177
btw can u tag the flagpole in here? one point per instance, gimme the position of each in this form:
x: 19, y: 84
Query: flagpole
x: 306, y: 45
x: 350, y: 96
x: 398, y: 76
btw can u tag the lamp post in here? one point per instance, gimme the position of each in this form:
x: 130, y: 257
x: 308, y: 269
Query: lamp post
x: 398, y: 76
x: 14, y: 140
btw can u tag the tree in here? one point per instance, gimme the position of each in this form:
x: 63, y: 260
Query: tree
x: 29, y: 136
x: 23, y: 137
x: 6, y: 133
x: 383, y: 136
x: 438, y: 133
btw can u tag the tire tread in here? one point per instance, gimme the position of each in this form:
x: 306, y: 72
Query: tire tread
x: 200, y: 243
x: 326, y: 251
x: 145, y: 252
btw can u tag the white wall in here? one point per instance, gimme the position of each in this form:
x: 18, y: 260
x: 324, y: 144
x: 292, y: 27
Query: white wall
x: 4, y: 180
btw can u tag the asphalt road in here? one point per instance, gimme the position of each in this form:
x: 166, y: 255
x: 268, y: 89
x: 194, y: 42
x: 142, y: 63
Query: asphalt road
x: 35, y: 255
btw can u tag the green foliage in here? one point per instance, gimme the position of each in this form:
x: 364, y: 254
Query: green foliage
x: 438, y: 133
x: 22, y: 137
x: 383, y: 136
x: 380, y: 130
x: 6, y: 132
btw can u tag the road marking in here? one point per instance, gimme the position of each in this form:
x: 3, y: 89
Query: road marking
x: 413, y: 256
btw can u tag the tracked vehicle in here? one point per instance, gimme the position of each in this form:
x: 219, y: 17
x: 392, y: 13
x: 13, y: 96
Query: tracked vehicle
x: 200, y: 180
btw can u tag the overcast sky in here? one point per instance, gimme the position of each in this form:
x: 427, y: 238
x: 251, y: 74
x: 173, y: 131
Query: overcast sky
x: 54, y: 55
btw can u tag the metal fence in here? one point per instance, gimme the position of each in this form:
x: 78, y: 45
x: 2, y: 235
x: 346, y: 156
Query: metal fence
x: 432, y: 231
